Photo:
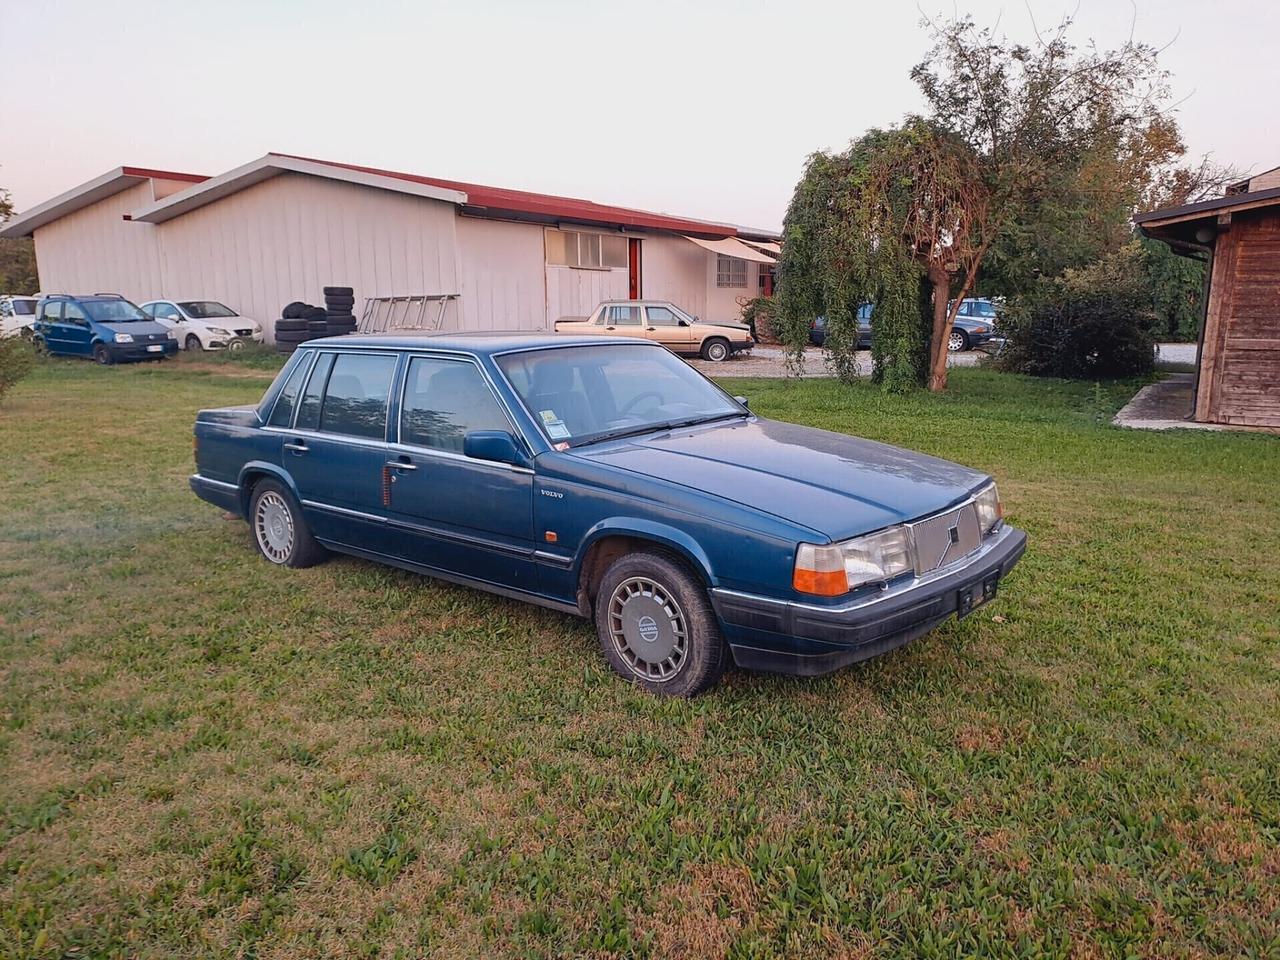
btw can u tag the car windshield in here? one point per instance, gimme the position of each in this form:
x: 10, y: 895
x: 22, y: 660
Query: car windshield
x: 980, y: 308
x: 206, y: 309
x: 586, y: 394
x: 112, y: 311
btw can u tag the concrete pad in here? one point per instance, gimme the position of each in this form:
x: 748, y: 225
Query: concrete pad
x: 1164, y: 406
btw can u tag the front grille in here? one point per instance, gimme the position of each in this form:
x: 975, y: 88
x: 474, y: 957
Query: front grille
x: 945, y: 537
x: 244, y: 333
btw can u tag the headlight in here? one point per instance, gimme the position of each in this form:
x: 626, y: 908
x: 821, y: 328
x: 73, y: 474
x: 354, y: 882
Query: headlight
x: 830, y: 570
x: 124, y: 338
x: 990, y: 509
x: 979, y: 329
x: 173, y: 334
x: 220, y: 332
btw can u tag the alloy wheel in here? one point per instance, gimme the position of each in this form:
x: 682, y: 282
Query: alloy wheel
x: 956, y: 342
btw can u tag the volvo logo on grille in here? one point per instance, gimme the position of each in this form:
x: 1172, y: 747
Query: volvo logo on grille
x: 954, y: 534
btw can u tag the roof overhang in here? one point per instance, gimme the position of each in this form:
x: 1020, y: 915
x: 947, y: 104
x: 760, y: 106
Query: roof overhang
x: 1191, y: 228
x: 272, y: 165
x: 732, y: 247
x: 77, y: 198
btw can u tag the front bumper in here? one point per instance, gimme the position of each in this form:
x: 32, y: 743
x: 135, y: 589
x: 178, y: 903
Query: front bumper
x: 123, y: 352
x: 808, y: 639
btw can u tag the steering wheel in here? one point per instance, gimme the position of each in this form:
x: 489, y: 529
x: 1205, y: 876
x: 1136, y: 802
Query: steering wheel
x: 637, y: 398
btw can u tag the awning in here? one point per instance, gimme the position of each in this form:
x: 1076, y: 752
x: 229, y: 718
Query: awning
x: 730, y: 247
x: 768, y: 246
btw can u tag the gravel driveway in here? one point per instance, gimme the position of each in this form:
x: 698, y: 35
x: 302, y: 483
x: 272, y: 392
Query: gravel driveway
x: 771, y: 362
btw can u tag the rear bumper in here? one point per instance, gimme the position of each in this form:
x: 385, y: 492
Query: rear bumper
x: 217, y: 492
x: 808, y: 639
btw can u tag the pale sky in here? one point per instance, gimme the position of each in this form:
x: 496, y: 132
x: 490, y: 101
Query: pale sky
x: 705, y: 109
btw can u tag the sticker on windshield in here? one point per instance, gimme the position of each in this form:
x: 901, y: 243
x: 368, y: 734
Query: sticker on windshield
x: 555, y: 427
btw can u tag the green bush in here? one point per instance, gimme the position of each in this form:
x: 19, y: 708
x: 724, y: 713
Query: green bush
x: 761, y: 315
x: 1093, y: 322
x: 17, y: 356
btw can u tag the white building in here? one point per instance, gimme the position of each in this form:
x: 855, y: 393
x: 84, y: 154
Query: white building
x: 282, y: 227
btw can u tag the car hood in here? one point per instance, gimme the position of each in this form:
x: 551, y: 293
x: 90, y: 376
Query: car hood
x: 729, y: 324
x: 138, y: 328
x: 832, y: 483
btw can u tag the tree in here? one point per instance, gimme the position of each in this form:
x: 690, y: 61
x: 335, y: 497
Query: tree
x: 17, y: 257
x: 900, y: 208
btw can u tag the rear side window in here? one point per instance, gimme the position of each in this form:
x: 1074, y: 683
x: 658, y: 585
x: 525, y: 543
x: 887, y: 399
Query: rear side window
x: 444, y: 400
x: 309, y: 409
x: 51, y: 311
x: 355, y: 401
x: 287, y: 401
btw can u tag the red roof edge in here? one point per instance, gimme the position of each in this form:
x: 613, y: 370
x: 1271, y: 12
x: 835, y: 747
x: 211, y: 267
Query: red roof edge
x: 162, y: 174
x: 497, y: 200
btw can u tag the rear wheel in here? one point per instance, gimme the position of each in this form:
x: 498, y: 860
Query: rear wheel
x: 716, y: 349
x: 656, y: 626
x: 279, y: 531
x: 101, y: 354
x: 958, y: 341
x: 193, y: 344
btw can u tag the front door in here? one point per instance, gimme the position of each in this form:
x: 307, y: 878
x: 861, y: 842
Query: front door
x: 336, y: 449
x: 449, y: 511
x: 667, y: 328
x: 73, y: 334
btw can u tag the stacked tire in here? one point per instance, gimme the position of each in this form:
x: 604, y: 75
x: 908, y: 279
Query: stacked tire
x: 298, y: 323
x: 339, y: 308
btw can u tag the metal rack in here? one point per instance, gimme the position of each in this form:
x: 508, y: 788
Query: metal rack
x: 393, y: 314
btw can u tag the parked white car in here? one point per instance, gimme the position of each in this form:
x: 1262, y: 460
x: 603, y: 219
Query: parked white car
x: 204, y: 324
x: 17, y: 314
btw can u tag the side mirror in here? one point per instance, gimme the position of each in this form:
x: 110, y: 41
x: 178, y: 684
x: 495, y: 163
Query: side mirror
x: 743, y: 401
x: 495, y: 445
x: 684, y: 323
x: 174, y: 318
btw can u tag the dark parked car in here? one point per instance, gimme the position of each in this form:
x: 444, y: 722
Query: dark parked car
x: 104, y: 326
x: 610, y: 480
x: 975, y: 325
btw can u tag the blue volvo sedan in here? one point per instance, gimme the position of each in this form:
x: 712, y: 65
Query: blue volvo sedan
x: 613, y: 481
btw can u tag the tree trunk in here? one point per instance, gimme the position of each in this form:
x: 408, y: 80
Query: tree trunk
x: 940, y: 280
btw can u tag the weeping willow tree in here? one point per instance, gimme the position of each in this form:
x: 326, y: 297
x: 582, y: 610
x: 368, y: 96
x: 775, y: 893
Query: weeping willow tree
x: 897, y: 220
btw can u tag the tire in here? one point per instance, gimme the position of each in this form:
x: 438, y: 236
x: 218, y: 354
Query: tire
x: 278, y: 529
x: 339, y: 301
x: 193, y: 344
x: 340, y: 315
x: 715, y: 349
x: 651, y: 604
x: 300, y: 337
x: 286, y: 348
x: 339, y: 292
x: 283, y: 326
x: 958, y: 341
x: 317, y: 328
x: 339, y: 329
x: 293, y: 310
x: 101, y: 355
x: 314, y: 313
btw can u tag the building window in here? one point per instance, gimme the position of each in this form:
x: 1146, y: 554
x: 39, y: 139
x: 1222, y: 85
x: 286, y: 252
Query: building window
x: 574, y: 248
x: 730, y: 271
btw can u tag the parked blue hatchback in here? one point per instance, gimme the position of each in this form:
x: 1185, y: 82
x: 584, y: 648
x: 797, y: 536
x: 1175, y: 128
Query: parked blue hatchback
x: 613, y: 481
x: 103, y: 326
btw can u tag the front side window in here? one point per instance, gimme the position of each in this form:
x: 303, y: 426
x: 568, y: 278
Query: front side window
x: 72, y: 313
x: 730, y: 271
x: 444, y: 400
x: 163, y: 310
x: 662, y: 317
x: 584, y: 394
x: 355, y: 399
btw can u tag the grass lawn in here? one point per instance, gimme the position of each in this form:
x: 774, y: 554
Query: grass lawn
x: 203, y: 755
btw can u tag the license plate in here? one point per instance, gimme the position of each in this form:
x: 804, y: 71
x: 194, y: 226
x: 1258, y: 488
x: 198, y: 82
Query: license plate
x: 155, y: 348
x: 975, y: 595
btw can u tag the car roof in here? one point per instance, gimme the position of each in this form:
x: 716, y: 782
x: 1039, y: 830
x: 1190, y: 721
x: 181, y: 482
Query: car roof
x: 474, y: 342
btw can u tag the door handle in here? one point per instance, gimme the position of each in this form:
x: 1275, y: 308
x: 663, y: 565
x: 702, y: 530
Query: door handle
x: 651, y: 329
x: 401, y: 465
x: 608, y: 328
x: 297, y: 446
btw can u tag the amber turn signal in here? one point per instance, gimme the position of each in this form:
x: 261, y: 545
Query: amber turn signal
x: 820, y: 570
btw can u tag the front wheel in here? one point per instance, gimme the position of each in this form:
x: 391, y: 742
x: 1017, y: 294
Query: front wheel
x: 656, y: 626
x: 715, y: 350
x: 958, y: 341
x: 193, y: 344
x: 101, y: 354
x: 279, y: 531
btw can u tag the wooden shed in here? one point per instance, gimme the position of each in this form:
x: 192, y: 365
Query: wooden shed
x: 1238, y: 371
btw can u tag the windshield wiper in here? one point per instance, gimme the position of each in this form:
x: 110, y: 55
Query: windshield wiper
x: 657, y: 427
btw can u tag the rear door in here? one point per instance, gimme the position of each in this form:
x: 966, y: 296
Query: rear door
x: 622, y: 320
x: 337, y: 447
x: 449, y: 511
x: 664, y: 327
